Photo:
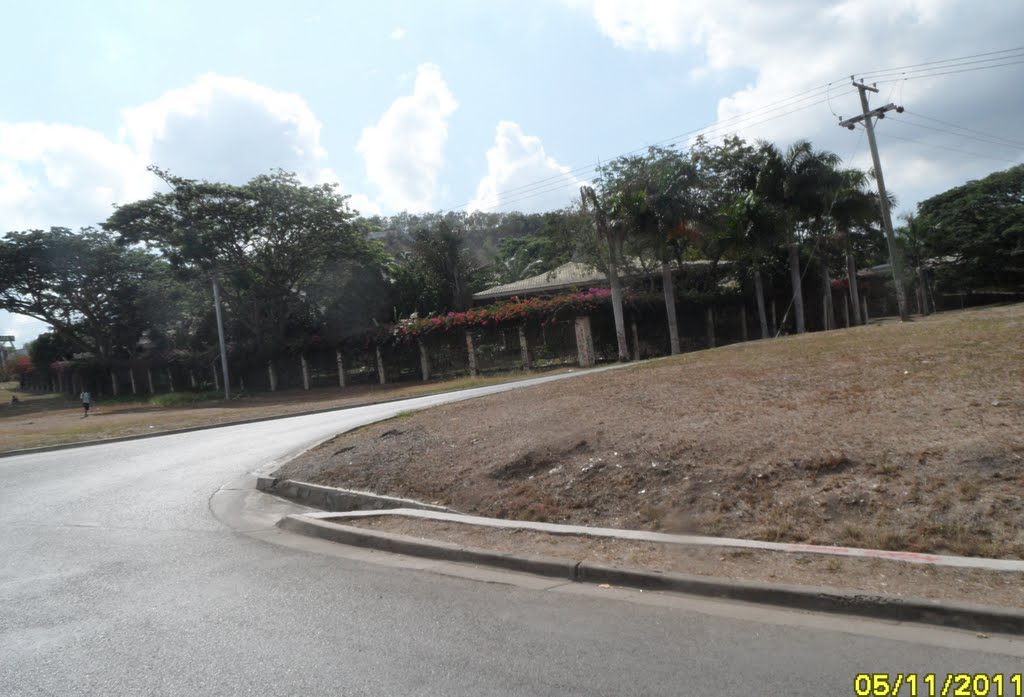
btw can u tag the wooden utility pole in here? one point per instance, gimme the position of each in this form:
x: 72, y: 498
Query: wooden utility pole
x: 890, y: 237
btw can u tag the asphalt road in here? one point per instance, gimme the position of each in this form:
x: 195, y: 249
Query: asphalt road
x: 152, y: 568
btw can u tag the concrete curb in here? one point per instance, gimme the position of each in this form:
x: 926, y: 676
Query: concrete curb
x: 329, y: 498
x: 948, y: 614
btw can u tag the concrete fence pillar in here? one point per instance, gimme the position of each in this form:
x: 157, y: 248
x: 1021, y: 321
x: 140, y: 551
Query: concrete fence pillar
x: 424, y: 360
x: 272, y: 375
x: 584, y: 342
x: 524, y: 348
x: 471, y: 353
x: 380, y: 367
x: 341, y: 367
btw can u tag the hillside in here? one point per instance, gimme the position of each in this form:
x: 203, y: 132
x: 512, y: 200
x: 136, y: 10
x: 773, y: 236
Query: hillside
x: 899, y: 436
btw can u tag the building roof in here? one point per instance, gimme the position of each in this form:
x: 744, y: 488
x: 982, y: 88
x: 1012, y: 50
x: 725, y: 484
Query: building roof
x: 569, y: 275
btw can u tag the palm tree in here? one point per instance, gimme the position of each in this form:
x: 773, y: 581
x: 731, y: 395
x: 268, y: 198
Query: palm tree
x: 611, y: 230
x: 854, y: 206
x: 797, y: 182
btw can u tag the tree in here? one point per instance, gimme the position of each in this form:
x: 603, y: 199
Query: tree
x: 659, y: 199
x: 446, y: 263
x: 748, y: 226
x: 267, y: 242
x: 796, y: 182
x: 84, y: 285
x: 611, y: 230
x: 975, y: 232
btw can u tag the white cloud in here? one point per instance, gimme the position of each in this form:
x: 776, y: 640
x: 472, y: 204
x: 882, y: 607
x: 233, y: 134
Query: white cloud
x: 522, y: 176
x: 397, y: 34
x: 227, y: 129
x: 403, y: 150
x: 56, y: 174
x: 792, y: 45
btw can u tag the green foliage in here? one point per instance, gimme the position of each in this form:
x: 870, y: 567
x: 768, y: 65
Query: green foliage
x: 975, y: 232
x: 273, y: 243
x: 87, y: 287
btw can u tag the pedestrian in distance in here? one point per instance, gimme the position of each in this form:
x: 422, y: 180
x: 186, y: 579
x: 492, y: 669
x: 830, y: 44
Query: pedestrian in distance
x: 86, y: 399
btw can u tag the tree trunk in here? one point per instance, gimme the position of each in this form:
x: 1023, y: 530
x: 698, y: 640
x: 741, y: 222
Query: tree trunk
x: 830, y: 311
x: 709, y: 321
x: 131, y: 374
x: 851, y: 275
x: 864, y: 307
x: 524, y: 348
x: 759, y: 292
x: 113, y: 382
x: 170, y: 379
x: 149, y: 380
x: 272, y: 375
x: 846, y: 311
x: 636, y: 339
x: 424, y: 360
x: 775, y: 321
x: 743, y: 323
x: 471, y: 354
x: 668, y: 288
x: 304, y: 364
x: 923, y: 284
x: 798, y: 291
x: 620, y: 324
x: 341, y: 367
x: 192, y: 378
x: 216, y: 379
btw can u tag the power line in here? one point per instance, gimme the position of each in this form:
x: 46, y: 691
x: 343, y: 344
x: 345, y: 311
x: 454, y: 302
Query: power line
x: 943, y: 147
x: 710, y: 132
x: 736, y: 121
x: 952, y: 72
x: 939, y: 64
x: 1018, y: 144
x: 987, y: 141
x: 786, y: 106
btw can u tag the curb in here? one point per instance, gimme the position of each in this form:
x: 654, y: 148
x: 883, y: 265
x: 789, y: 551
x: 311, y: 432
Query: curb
x: 336, y: 500
x: 965, y: 616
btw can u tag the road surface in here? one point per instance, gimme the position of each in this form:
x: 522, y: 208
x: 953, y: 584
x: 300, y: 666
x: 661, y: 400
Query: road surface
x: 151, y: 567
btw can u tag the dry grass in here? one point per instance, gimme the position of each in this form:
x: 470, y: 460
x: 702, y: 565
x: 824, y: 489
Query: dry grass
x: 901, y: 436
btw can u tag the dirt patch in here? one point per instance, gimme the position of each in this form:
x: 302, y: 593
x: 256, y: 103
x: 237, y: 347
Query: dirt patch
x: 902, y: 436
x: 866, y: 575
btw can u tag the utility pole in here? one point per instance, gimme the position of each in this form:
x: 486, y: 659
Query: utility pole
x: 220, y: 335
x: 890, y: 236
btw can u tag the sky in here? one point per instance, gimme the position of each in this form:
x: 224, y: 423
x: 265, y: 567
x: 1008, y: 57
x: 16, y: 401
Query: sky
x: 495, y: 106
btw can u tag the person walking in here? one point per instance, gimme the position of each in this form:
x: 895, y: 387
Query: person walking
x: 86, y: 399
